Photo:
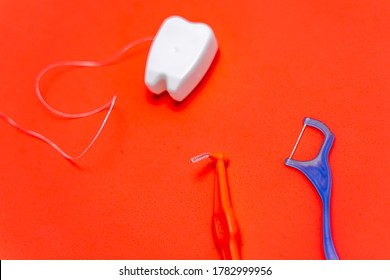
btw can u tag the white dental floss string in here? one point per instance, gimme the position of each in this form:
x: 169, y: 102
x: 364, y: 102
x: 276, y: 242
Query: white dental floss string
x: 108, y: 106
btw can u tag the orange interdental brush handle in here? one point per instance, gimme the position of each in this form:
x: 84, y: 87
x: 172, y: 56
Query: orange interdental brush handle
x: 225, y: 227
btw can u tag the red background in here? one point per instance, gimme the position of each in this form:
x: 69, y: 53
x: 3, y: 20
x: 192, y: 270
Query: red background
x: 135, y: 195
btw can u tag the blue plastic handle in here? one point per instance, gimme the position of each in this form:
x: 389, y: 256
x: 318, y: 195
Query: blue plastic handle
x: 318, y: 172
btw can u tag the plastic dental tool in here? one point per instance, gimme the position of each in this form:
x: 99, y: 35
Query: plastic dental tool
x: 318, y: 172
x: 225, y: 227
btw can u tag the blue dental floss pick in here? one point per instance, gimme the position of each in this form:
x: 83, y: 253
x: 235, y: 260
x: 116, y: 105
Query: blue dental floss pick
x: 318, y: 172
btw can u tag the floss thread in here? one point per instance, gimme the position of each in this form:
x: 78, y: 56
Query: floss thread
x: 105, y: 107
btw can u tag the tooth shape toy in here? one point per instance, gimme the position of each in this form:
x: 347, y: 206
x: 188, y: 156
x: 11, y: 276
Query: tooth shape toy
x: 179, y: 57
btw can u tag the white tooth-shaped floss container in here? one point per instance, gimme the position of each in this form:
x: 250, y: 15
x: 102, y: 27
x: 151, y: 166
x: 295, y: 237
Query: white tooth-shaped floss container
x: 179, y: 57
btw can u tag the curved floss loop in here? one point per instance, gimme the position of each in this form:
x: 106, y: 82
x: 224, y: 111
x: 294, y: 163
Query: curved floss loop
x: 108, y: 106
x: 51, y: 143
x: 82, y: 64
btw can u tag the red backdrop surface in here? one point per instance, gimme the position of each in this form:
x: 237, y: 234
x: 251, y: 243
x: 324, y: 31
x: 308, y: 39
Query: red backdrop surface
x: 135, y: 195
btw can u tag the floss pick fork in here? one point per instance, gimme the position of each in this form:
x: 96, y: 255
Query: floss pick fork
x: 318, y: 172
